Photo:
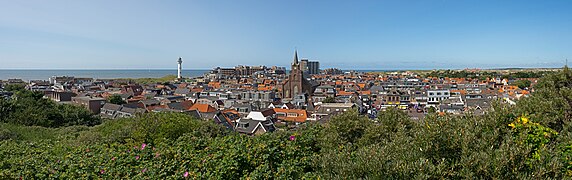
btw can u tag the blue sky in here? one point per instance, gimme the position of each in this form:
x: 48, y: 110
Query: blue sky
x: 140, y: 34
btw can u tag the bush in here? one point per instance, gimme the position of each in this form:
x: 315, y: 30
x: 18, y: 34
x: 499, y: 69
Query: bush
x: 31, y: 109
x: 530, y: 140
x: 151, y: 128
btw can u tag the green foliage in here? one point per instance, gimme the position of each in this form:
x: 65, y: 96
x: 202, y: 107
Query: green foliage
x: 567, y: 158
x: 31, y: 109
x: 33, y: 133
x: 551, y: 104
x: 522, y: 84
x: 346, y: 128
x: 431, y: 110
x: 530, y: 140
x: 529, y: 74
x: 200, y: 152
x: 14, y: 87
x: 161, y: 80
x: 482, y: 75
x: 150, y: 128
x: 462, y: 74
x: 115, y: 99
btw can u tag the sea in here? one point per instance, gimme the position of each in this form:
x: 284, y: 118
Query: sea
x: 40, y: 74
x: 45, y: 74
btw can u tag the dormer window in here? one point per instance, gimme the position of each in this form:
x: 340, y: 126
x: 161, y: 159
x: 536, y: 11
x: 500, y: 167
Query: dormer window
x: 245, y: 125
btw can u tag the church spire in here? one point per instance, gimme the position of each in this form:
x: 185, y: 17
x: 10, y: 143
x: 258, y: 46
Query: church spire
x: 295, y: 57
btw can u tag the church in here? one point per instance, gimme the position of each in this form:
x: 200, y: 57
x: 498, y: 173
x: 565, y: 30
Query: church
x: 296, y: 84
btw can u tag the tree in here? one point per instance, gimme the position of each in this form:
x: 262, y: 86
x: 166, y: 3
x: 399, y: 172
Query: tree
x: 5, y: 109
x: 522, y: 83
x: 115, y: 99
x: 14, y: 87
x: 31, y: 109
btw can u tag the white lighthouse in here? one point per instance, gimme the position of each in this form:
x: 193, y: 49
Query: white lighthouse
x: 179, y: 68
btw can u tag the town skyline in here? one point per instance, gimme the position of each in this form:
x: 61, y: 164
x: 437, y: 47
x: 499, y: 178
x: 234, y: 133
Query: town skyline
x: 366, y: 35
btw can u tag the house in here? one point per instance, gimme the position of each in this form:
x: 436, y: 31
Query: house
x: 183, y: 91
x: 203, y: 108
x: 267, y: 96
x: 266, y: 114
x: 129, y: 111
x: 392, y: 97
x: 323, y: 92
x: 281, y: 105
x: 169, y: 99
x: 180, y: 106
x: 333, y: 108
x: 59, y: 96
x: 326, y: 110
x: 212, y: 101
x: 226, y: 118
x: 39, y: 85
x: 132, y: 89
x: 243, y: 109
x: 291, y: 115
x: 109, y: 110
x: 149, y: 104
x: 435, y: 96
x: 451, y: 108
x: 92, y: 104
x: 254, y: 127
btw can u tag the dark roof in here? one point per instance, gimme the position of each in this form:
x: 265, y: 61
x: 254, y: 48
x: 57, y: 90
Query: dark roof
x: 110, y: 106
x: 132, y: 110
x: 131, y: 105
x: 376, y: 88
x: 208, y: 115
x: 173, y: 97
x: 126, y: 95
x: 150, y: 102
x: 451, y: 107
x: 194, y: 113
x: 268, y: 112
x: 176, y: 106
x: 252, y: 125
x: 220, y: 118
x: 182, y: 91
x: 483, y: 103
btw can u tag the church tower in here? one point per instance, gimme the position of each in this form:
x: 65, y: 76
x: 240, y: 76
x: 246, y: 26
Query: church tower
x: 295, y: 77
x: 296, y: 83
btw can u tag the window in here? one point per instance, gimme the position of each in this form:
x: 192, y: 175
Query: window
x: 244, y: 125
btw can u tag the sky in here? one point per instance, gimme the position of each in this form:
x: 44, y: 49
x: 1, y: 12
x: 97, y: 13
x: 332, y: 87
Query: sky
x: 374, y: 35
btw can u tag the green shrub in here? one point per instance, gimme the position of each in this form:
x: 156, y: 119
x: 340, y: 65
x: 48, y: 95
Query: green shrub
x: 530, y: 140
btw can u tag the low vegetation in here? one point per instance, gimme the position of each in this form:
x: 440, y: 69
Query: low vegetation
x: 530, y: 140
x: 31, y: 109
x: 164, y: 79
x: 482, y: 75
